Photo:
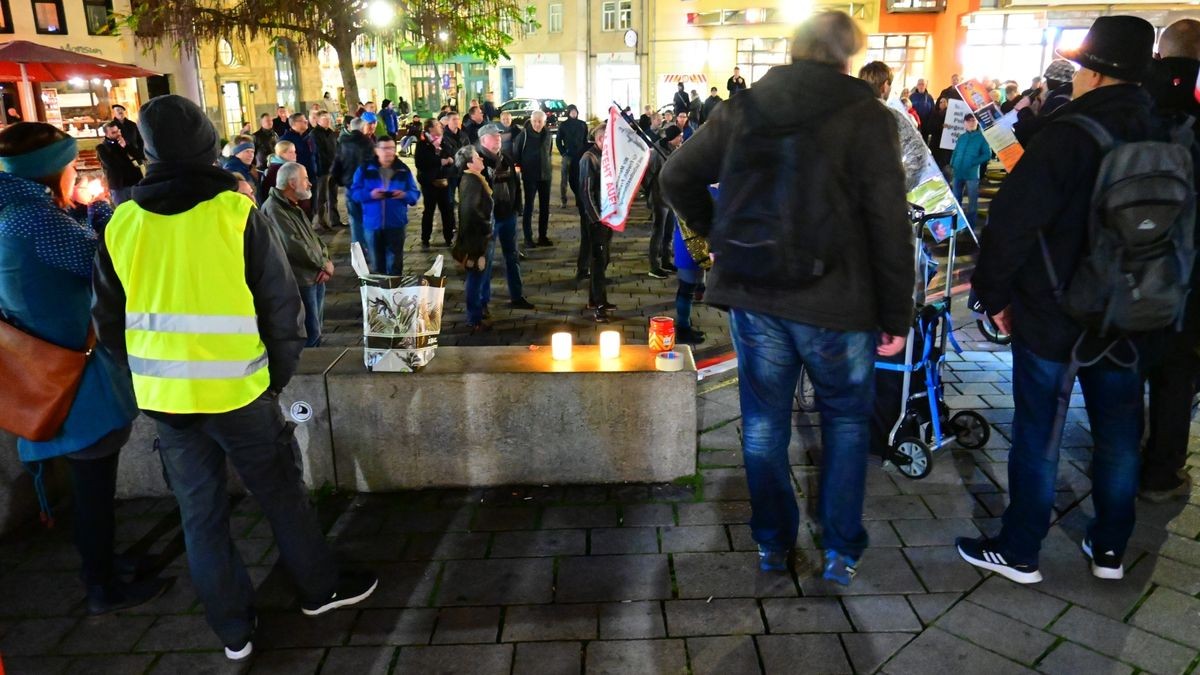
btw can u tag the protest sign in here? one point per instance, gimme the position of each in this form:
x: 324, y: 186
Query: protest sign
x: 999, y: 136
x: 623, y: 163
x: 954, y: 127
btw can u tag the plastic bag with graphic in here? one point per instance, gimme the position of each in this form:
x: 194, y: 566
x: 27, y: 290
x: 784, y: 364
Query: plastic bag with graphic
x: 402, y: 316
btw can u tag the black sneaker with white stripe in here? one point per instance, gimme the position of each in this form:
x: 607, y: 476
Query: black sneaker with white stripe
x: 1105, y: 564
x: 984, y: 554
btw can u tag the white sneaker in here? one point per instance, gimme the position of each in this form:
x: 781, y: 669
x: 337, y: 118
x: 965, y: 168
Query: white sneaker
x: 240, y: 654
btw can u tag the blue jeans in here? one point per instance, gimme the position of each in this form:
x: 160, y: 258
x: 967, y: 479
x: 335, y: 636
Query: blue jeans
x: 387, y: 250
x: 477, y: 286
x: 770, y: 352
x: 506, y: 234
x: 313, y: 298
x: 354, y: 210
x: 262, y: 449
x: 1114, y: 405
x: 972, y: 187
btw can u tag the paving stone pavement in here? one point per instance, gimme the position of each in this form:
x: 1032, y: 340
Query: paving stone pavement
x: 647, y: 579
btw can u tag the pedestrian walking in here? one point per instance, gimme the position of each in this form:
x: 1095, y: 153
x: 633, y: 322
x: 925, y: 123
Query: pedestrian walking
x: 788, y: 308
x: 46, y: 258
x: 194, y: 293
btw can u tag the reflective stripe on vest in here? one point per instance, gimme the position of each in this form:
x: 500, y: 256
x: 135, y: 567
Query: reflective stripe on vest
x: 191, y: 329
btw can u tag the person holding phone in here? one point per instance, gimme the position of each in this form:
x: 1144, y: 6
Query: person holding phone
x: 385, y: 188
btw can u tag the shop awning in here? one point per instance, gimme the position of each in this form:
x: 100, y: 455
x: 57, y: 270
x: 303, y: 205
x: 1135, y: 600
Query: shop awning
x: 29, y: 61
x: 686, y: 77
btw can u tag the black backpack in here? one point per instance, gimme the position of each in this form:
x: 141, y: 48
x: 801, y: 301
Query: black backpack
x: 769, y: 229
x: 1135, y: 273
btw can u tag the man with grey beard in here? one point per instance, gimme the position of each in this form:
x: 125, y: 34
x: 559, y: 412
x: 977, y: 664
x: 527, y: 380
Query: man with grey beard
x: 306, y: 252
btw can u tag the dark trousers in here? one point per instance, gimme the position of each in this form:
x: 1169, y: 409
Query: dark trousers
x: 324, y: 211
x: 313, y: 299
x: 662, y: 235
x: 94, y: 484
x: 584, y: 262
x: 262, y: 449
x: 437, y: 198
x: 601, y: 240
x: 540, y: 189
x: 1172, y: 386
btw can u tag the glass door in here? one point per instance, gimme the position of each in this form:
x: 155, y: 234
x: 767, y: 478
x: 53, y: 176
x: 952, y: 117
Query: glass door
x: 233, y: 108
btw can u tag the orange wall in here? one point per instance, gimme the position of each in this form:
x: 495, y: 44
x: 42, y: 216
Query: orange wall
x: 946, y: 31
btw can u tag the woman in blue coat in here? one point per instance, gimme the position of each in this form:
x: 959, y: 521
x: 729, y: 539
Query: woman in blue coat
x: 386, y: 188
x: 46, y: 290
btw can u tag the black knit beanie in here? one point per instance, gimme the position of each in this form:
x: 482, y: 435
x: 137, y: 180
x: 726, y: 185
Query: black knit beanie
x: 174, y: 129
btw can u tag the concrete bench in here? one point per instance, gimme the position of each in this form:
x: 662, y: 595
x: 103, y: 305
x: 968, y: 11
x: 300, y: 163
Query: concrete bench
x: 480, y: 416
x: 476, y: 416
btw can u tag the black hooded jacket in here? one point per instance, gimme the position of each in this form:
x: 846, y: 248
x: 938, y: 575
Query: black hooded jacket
x: 572, y: 137
x: 1049, y: 192
x: 171, y: 189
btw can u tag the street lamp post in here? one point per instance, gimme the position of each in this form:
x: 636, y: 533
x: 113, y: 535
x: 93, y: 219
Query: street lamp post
x: 381, y: 14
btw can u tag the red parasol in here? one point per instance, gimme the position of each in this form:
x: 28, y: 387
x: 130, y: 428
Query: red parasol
x: 30, y: 62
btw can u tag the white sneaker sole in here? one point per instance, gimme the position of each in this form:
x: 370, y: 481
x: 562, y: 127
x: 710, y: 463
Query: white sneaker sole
x: 1098, y: 571
x: 344, y: 602
x: 240, y: 655
x: 1003, y: 570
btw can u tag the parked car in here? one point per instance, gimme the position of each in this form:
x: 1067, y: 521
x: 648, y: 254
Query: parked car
x: 522, y: 108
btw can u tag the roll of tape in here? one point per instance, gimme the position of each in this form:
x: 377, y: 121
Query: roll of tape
x: 669, y: 361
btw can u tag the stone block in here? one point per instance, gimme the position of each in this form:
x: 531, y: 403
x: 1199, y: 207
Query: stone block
x: 664, y: 657
x: 726, y: 655
x: 303, y: 402
x: 803, y: 654
x: 509, y: 415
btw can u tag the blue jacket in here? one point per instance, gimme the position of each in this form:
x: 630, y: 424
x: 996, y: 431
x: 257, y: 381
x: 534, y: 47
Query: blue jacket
x: 391, y: 121
x: 970, y: 152
x: 306, y: 151
x: 46, y: 289
x: 384, y: 214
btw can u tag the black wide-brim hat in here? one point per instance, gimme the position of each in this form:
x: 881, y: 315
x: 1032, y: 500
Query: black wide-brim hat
x: 1117, y: 46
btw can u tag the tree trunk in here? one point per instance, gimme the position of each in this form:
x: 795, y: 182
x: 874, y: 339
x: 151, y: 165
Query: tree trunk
x: 345, y: 53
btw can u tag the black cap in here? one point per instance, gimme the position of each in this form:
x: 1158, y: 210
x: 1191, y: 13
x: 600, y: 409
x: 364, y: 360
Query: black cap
x: 174, y: 129
x: 671, y: 132
x: 1117, y: 46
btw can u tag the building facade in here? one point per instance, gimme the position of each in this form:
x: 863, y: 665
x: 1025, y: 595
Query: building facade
x: 84, y: 26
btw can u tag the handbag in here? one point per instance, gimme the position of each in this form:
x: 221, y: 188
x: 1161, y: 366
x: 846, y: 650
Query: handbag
x: 40, y: 382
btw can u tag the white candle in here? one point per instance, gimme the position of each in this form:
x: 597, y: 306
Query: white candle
x: 610, y: 344
x: 560, y: 346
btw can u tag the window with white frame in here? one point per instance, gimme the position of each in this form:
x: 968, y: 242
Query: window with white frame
x: 531, y: 22
x: 904, y: 53
x: 608, y: 15
x: 626, y: 14
x: 556, y: 17
x: 755, y: 56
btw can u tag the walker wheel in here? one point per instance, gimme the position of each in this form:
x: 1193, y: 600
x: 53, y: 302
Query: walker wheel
x: 912, y: 458
x: 806, y: 393
x: 970, y: 429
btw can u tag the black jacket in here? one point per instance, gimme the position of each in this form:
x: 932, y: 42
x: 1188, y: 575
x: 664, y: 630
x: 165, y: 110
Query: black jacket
x: 170, y: 189
x: 710, y: 104
x: 119, y: 169
x: 1029, y: 124
x: 735, y: 86
x: 474, y: 219
x: 133, y: 139
x: 532, y: 152
x: 452, y: 141
x: 306, y: 151
x: 869, y: 284
x: 471, y: 130
x: 326, y: 148
x: 1050, y: 192
x: 353, y: 150
x: 264, y: 146
x: 280, y: 126
x: 572, y: 138
x: 505, y: 182
x: 589, y: 189
x: 429, y: 163
x: 681, y: 102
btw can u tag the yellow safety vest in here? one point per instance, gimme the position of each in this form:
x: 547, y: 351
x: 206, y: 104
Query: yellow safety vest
x: 191, y: 330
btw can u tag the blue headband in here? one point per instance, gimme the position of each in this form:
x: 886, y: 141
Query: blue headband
x: 241, y: 147
x: 42, y: 162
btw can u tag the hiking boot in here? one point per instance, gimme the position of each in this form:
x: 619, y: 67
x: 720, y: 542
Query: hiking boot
x: 772, y: 561
x: 839, y: 568
x: 1182, y: 491
x: 353, y: 588
x: 1105, y: 565
x: 118, y: 595
x: 985, y: 554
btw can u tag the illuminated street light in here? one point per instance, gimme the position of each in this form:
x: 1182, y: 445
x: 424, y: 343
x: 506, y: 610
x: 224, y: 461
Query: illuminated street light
x: 443, y: 36
x: 381, y: 13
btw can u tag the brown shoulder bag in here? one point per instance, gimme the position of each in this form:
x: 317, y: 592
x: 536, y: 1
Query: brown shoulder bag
x: 40, y: 382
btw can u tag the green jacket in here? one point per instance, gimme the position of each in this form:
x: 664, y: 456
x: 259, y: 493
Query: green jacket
x: 306, y: 252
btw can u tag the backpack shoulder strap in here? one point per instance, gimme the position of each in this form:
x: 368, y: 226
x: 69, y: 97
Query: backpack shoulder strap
x: 1094, y: 129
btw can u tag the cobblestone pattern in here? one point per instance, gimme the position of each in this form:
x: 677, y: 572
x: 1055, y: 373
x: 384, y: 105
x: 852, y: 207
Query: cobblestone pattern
x: 643, y: 579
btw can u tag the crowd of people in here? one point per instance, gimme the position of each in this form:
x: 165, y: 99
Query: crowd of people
x: 201, y: 289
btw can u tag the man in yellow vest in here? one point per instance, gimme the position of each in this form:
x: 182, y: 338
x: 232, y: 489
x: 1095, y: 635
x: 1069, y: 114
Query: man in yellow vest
x: 194, y: 292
